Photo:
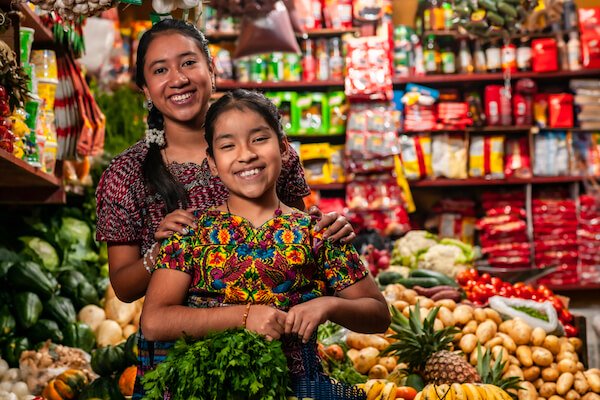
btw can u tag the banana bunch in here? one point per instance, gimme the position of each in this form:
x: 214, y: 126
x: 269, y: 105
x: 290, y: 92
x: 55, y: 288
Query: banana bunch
x: 464, y: 391
x: 379, y: 389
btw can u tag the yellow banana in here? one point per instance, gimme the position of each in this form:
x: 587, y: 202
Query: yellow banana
x: 419, y: 396
x: 375, y: 389
x: 458, y: 392
x: 432, y: 393
x: 388, y: 392
x: 494, y: 392
x: 482, y: 392
x: 442, y: 391
x: 471, y: 393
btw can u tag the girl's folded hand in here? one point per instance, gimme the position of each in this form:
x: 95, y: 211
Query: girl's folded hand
x: 266, y: 320
x: 304, y: 319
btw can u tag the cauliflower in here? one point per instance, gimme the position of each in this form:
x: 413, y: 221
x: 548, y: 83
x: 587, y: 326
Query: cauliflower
x: 444, y: 258
x: 408, y: 248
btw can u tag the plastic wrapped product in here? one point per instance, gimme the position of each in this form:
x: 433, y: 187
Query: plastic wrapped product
x: 449, y: 156
x: 486, y: 157
x: 416, y: 156
x: 527, y: 310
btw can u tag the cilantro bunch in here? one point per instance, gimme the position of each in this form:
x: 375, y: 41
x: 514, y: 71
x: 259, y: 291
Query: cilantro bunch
x: 228, y: 365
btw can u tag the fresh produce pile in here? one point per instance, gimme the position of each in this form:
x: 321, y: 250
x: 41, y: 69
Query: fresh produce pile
x: 465, y: 351
x: 479, y: 288
x: 423, y: 250
x: 485, y: 17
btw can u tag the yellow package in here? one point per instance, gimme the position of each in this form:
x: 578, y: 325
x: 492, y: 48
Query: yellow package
x: 486, y: 157
x: 316, y: 161
x: 416, y: 156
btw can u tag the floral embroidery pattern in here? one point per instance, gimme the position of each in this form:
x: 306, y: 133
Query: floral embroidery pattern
x: 282, y: 263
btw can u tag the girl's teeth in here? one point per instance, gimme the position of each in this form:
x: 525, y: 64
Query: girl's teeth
x: 248, y: 173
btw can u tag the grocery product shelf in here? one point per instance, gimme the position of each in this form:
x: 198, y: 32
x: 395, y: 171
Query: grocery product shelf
x: 491, y: 77
x: 575, y: 287
x: 299, y: 85
x: 22, y: 183
x: 216, y: 36
x: 442, y: 182
x: 42, y: 34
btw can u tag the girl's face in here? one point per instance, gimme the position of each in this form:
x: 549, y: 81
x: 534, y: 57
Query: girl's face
x: 179, y: 80
x: 247, y: 153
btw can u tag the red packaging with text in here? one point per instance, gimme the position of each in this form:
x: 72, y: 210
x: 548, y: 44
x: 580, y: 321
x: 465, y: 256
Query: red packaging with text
x: 544, y: 55
x: 560, y: 110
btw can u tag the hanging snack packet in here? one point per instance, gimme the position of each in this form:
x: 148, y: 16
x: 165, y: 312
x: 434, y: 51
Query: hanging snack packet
x: 486, y: 157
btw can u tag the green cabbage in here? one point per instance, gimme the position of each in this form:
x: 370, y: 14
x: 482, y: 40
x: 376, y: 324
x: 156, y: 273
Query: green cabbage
x: 41, y: 251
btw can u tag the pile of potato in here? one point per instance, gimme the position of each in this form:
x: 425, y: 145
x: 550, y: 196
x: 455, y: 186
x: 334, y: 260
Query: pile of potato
x: 549, y: 364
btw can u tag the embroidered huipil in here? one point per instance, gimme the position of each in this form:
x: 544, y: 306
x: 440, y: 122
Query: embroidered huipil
x: 282, y: 263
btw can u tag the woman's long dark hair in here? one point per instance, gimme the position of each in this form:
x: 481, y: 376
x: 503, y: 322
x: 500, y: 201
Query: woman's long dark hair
x: 241, y: 99
x: 157, y: 176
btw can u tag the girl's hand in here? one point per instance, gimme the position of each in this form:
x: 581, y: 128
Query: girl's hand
x: 177, y: 221
x: 266, y: 320
x: 338, y: 227
x: 304, y: 319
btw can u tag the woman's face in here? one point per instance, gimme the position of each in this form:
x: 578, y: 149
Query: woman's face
x: 179, y: 80
x: 247, y: 153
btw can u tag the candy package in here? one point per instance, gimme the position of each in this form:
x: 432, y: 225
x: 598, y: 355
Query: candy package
x: 416, y: 156
x: 518, y: 160
x: 368, y: 69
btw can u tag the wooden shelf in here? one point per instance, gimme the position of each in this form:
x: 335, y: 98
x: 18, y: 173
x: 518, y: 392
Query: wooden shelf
x: 575, y: 287
x: 459, y: 35
x: 329, y: 186
x: 22, y: 183
x: 300, y: 85
x: 42, y: 35
x: 493, y: 182
x: 492, y: 77
x: 217, y: 36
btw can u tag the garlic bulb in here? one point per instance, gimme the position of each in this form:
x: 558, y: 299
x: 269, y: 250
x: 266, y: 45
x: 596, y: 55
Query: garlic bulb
x: 163, y: 6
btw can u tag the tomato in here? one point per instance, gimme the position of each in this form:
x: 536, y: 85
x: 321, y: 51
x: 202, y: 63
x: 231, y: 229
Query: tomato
x: 570, y: 330
x: 406, y: 393
x: 462, y: 278
x: 486, y: 278
x: 558, y: 304
x: 519, y: 285
x: 3, y: 94
x: 496, y: 282
x: 565, y: 316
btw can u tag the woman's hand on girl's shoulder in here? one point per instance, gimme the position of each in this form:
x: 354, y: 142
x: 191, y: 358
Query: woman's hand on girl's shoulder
x: 337, y: 226
x: 179, y: 221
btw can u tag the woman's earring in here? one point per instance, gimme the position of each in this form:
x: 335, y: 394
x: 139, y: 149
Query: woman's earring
x: 149, y: 104
x: 156, y: 136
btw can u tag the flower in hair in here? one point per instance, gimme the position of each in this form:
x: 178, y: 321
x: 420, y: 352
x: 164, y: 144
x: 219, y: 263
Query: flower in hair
x: 156, y: 136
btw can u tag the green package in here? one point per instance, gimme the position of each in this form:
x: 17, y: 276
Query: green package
x: 337, y: 112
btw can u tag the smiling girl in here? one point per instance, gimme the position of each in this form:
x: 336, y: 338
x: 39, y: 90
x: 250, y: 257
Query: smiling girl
x: 260, y: 258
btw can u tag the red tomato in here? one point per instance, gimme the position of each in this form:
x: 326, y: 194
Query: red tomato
x: 518, y: 285
x: 496, y: 282
x: 462, y: 278
x: 570, y: 330
x: 486, y: 278
x: 565, y: 316
x: 406, y: 393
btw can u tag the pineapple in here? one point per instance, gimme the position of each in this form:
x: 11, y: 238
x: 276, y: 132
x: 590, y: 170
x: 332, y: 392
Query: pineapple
x: 492, y: 374
x: 427, y: 351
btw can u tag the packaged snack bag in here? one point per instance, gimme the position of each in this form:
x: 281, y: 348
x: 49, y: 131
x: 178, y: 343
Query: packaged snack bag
x: 486, y: 157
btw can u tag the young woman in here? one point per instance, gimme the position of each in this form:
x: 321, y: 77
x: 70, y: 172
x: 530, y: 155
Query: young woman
x: 255, y: 262
x: 148, y: 191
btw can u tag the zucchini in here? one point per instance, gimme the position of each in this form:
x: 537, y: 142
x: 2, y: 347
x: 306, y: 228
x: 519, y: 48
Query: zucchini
x: 507, y: 10
x: 61, y: 310
x: 443, y: 279
x: 489, y: 5
x: 28, y: 308
x: 45, y: 329
x: 29, y: 276
x: 423, y: 282
x: 494, y: 18
x: 388, y: 277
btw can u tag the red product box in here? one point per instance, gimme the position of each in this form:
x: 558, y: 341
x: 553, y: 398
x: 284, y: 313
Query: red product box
x: 589, y: 20
x: 590, y: 50
x: 522, y: 109
x: 498, y: 109
x: 544, y: 55
x: 561, y: 110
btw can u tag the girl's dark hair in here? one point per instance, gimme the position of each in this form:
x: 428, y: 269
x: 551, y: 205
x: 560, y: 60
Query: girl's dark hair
x: 241, y: 99
x: 156, y: 174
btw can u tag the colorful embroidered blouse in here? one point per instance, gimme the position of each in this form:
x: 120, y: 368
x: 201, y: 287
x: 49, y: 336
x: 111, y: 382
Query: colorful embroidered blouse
x: 282, y: 263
